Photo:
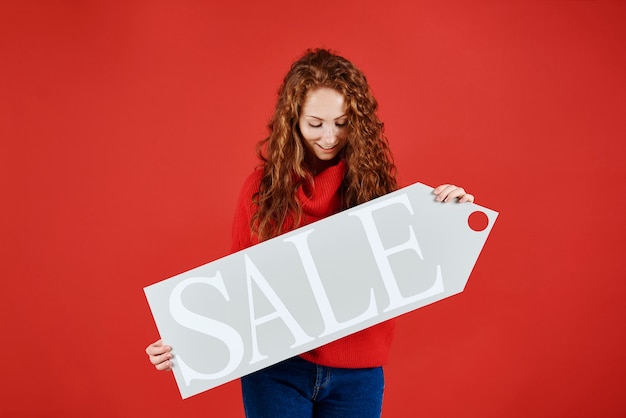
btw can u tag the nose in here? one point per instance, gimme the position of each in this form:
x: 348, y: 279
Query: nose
x: 329, y: 137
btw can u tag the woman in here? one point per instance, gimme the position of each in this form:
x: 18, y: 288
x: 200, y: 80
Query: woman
x: 325, y: 152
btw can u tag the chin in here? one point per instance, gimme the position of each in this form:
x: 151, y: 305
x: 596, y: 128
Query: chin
x: 327, y: 157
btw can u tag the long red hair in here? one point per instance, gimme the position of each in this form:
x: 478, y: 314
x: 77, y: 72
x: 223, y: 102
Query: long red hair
x: 370, y: 171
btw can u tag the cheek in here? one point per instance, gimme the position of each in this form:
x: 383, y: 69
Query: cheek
x: 307, y: 133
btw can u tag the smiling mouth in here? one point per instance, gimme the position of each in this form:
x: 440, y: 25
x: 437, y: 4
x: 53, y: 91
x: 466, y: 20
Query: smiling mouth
x: 326, y: 148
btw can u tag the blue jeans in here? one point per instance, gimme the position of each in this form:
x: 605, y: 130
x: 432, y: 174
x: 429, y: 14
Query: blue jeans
x: 300, y: 389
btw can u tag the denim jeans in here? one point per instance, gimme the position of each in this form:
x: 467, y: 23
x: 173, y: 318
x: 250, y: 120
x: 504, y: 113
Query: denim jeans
x: 300, y: 389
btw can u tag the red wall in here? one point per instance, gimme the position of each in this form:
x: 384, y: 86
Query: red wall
x: 128, y: 127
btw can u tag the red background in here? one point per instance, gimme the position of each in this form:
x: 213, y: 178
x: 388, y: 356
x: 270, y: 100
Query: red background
x: 128, y: 127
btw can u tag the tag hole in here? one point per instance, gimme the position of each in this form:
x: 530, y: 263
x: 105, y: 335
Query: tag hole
x: 478, y: 221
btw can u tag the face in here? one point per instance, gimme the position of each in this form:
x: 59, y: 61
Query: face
x: 324, y: 124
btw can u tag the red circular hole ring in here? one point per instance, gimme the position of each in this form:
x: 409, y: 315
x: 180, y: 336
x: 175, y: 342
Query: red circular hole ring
x: 478, y: 221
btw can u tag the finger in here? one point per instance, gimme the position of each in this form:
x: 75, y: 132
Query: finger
x: 165, y: 366
x: 466, y: 198
x: 160, y: 359
x: 157, y: 348
x: 454, y: 193
x: 442, y: 191
x: 447, y: 192
x: 438, y: 189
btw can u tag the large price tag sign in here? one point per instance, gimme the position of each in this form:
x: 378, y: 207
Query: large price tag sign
x: 316, y: 284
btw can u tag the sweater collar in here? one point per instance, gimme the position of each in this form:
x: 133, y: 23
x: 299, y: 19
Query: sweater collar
x: 322, y: 196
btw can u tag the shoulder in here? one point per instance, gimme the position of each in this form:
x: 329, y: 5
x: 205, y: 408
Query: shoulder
x: 249, y: 188
x: 241, y: 233
x: 251, y: 184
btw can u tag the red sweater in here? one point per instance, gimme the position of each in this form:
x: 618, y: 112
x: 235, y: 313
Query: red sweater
x: 367, y: 348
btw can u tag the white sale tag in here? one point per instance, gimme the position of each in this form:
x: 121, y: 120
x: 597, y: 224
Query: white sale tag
x: 316, y: 284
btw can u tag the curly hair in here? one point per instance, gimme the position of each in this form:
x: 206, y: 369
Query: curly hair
x: 370, y: 170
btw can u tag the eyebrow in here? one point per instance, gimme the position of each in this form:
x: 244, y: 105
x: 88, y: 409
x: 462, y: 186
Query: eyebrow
x: 315, y: 117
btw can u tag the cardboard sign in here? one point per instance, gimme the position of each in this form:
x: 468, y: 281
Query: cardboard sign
x: 316, y: 284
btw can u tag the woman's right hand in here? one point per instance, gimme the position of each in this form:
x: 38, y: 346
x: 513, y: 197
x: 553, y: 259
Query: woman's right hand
x: 160, y: 355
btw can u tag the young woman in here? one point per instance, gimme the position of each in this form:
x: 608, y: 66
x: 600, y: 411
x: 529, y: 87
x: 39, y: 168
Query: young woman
x: 325, y: 152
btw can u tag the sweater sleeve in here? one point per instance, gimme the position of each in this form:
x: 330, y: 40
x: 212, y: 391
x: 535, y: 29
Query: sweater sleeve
x: 241, y: 233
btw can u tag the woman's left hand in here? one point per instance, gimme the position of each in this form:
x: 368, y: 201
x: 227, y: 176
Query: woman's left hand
x: 447, y: 192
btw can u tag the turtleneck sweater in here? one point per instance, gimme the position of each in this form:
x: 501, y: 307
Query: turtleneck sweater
x: 366, y: 348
